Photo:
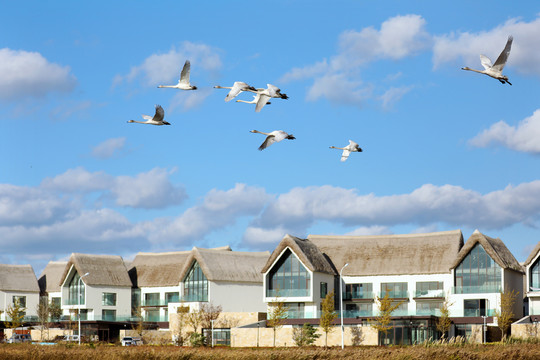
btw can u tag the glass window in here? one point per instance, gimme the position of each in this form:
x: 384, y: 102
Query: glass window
x: 428, y: 307
x: 474, y: 307
x: 477, y: 273
x: 358, y: 291
x: 288, y: 277
x: 108, y: 299
x: 108, y: 315
x: 324, y: 289
x: 56, y: 301
x: 73, y: 290
x: 151, y: 315
x: 135, y: 301
x: 20, y: 299
x: 151, y: 299
x: 535, y: 274
x: 195, y: 284
x: 172, y: 297
x: 395, y: 290
x: 429, y: 289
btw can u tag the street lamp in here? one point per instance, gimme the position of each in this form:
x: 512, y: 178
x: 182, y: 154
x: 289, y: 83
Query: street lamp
x: 341, y: 302
x: 79, y: 312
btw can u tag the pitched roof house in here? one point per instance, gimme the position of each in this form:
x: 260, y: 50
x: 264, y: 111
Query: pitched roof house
x: 18, y: 283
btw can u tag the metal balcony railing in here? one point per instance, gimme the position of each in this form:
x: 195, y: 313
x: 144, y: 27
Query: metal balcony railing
x: 358, y: 295
x: 287, y: 293
x: 429, y: 293
x: 395, y: 294
x: 482, y: 289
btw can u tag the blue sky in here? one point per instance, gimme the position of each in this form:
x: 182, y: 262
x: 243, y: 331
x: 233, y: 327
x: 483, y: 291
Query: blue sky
x: 443, y: 148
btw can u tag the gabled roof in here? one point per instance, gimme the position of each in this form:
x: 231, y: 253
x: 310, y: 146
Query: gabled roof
x: 429, y: 253
x: 18, y: 278
x: 49, y: 280
x: 495, y: 248
x: 108, y: 270
x: 308, y: 253
x: 234, y: 266
x: 157, y: 269
x: 532, y: 255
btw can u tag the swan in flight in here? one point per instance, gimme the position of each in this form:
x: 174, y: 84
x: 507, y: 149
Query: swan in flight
x: 254, y: 101
x: 156, y: 120
x: 495, y: 70
x: 236, y: 89
x: 273, y: 137
x: 265, y: 94
x: 352, y: 147
x: 183, y: 83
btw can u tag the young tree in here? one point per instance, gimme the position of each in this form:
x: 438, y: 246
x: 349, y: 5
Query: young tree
x: 444, y: 323
x: 55, y: 311
x: 15, y: 313
x: 306, y: 335
x: 182, y: 313
x: 277, y: 315
x: 138, y: 325
x: 42, y: 310
x: 505, y: 315
x: 195, y: 319
x: 209, y: 313
x: 383, y: 320
x: 328, y: 315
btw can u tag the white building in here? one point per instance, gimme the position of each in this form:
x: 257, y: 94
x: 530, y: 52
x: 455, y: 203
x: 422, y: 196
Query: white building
x: 18, y: 283
x: 97, y: 285
x: 532, y: 280
x: 49, y: 281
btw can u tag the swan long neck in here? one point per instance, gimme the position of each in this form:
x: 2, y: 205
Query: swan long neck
x: 247, y: 102
x: 222, y: 87
x: 335, y: 147
x: 135, y: 121
x: 166, y: 86
x: 259, y: 132
x: 469, y: 69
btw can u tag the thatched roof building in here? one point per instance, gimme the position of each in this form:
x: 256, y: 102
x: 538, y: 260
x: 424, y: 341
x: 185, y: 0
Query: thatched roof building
x: 104, y: 270
x: 50, y: 278
x: 18, y: 278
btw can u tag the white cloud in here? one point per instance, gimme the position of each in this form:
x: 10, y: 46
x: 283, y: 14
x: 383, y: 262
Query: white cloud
x: 165, y: 68
x: 189, y: 100
x: 108, y: 148
x: 523, y: 137
x: 338, y: 80
x: 426, y: 206
x: 28, y: 74
x: 393, y: 95
x: 466, y: 47
x: 370, y: 230
x: 218, y: 210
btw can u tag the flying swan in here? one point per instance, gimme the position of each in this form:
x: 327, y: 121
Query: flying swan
x: 352, y: 147
x: 236, y: 89
x: 156, y: 120
x: 254, y: 101
x: 266, y: 94
x: 495, y: 70
x: 183, y: 83
x: 273, y: 137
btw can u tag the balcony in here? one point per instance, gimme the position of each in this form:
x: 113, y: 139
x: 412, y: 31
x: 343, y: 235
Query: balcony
x: 400, y: 294
x: 482, y: 289
x: 161, y: 302
x: 358, y: 295
x: 72, y: 302
x: 194, y: 298
x: 287, y: 293
x: 429, y: 294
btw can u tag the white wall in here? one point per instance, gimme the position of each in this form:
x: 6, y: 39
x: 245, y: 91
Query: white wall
x: 237, y: 297
x: 32, y: 301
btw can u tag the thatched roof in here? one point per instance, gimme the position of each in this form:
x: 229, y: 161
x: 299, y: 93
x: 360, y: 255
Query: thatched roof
x: 157, y: 269
x: 234, y: 266
x: 495, y: 248
x: 108, y: 270
x: 429, y: 253
x: 49, y: 280
x: 532, y: 255
x: 309, y: 254
x: 18, y: 278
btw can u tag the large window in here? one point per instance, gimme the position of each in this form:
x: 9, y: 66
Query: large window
x: 288, y: 277
x: 151, y: 299
x: 108, y: 299
x: 474, y: 307
x: 172, y: 297
x: 428, y: 307
x: 535, y: 275
x: 21, y: 300
x: 195, y: 284
x: 295, y: 310
x: 358, y: 291
x: 73, y: 290
x: 477, y: 273
x: 429, y: 289
x: 108, y: 315
x: 397, y: 290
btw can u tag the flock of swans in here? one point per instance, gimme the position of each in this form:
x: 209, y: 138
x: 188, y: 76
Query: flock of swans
x: 263, y: 95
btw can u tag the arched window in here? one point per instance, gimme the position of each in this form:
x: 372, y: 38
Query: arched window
x: 535, y: 275
x: 195, y: 284
x: 73, y: 287
x: 477, y: 273
x: 288, y: 278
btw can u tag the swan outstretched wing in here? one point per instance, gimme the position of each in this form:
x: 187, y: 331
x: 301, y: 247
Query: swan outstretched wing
x: 236, y: 89
x: 184, y: 76
x: 146, y: 117
x: 270, y: 139
x: 160, y: 114
x: 486, y: 62
x: 501, y: 60
x: 263, y: 100
x: 345, y: 155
